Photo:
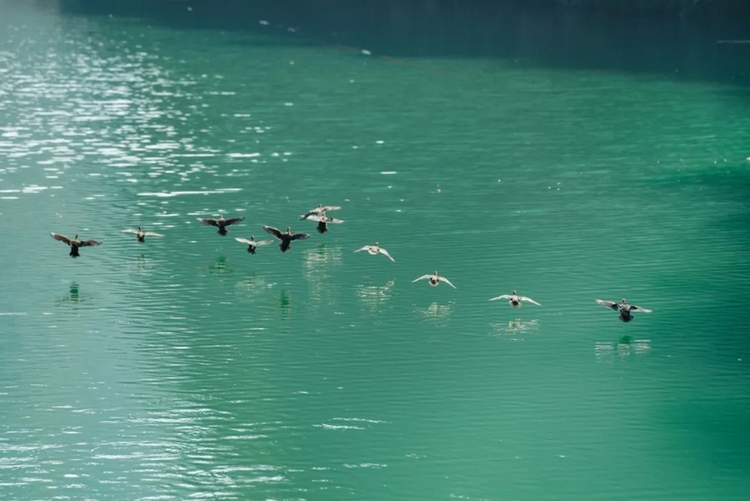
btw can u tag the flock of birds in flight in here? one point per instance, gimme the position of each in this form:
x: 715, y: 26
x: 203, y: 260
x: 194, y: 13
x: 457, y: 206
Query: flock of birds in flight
x: 624, y: 309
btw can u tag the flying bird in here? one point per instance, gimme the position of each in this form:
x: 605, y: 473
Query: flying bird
x: 623, y: 308
x: 221, y: 223
x: 74, y: 243
x: 141, y: 235
x: 320, y: 209
x: 374, y: 250
x: 435, y: 280
x: 515, y: 300
x: 323, y: 221
x: 252, y: 243
x: 286, y: 237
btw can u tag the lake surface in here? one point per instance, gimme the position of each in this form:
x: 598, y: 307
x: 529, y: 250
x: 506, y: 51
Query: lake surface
x: 187, y: 368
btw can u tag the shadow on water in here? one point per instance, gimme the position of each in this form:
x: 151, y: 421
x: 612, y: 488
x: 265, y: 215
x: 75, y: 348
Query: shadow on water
x: 672, y: 38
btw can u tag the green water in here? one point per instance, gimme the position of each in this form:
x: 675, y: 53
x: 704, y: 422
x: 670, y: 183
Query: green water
x: 186, y: 368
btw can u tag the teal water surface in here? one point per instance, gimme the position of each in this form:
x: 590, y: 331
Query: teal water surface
x: 186, y: 368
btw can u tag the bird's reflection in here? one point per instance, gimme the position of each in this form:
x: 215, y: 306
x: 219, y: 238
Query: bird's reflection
x: 623, y: 347
x: 285, y: 304
x: 73, y: 298
x: 142, y: 264
x: 515, y: 329
x: 373, y: 296
x: 250, y: 287
x: 318, y: 257
x: 220, y: 266
x: 437, y: 313
x: 318, y: 262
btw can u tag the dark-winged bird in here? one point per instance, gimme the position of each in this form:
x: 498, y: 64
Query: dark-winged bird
x: 624, y: 309
x: 221, y: 223
x: 74, y: 243
x: 286, y: 237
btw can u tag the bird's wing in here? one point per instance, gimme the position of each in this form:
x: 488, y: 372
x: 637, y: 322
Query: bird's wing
x: 233, y: 220
x: 528, y: 299
x: 89, y: 243
x: 443, y: 279
x: 245, y: 241
x: 308, y: 214
x: 152, y: 234
x: 421, y: 278
x: 334, y: 220
x: 385, y: 253
x: 331, y: 207
x: 263, y: 242
x: 61, y: 238
x: 639, y: 308
x: 608, y: 304
x: 504, y: 296
x: 365, y: 248
x: 272, y: 231
x: 130, y: 230
x: 208, y: 221
x: 300, y: 236
x: 314, y: 217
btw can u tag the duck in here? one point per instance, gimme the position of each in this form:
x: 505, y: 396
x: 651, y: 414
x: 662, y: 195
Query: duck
x: 623, y: 308
x: 221, y: 223
x: 374, y: 250
x: 515, y: 299
x: 323, y: 221
x: 286, y: 237
x: 141, y: 235
x: 74, y: 243
x: 252, y: 243
x: 435, y: 280
x: 319, y: 210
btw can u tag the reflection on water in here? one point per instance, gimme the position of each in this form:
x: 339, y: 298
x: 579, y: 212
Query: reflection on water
x: 623, y: 347
x: 285, y: 304
x: 251, y: 287
x: 436, y: 313
x: 374, y: 296
x: 73, y: 297
x: 514, y: 330
x: 219, y: 267
x: 318, y: 263
x: 318, y: 258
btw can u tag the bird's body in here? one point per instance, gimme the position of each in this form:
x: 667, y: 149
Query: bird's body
x: 624, y: 309
x: 74, y: 243
x: 141, y: 235
x: 286, y: 237
x: 374, y: 250
x: 323, y: 221
x: 320, y: 209
x: 252, y: 243
x: 221, y: 223
x: 434, y: 280
x: 515, y: 300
